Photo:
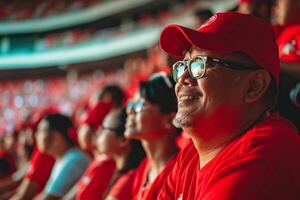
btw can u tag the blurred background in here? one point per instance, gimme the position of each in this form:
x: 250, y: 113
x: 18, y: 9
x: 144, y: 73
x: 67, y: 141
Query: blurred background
x: 58, y: 53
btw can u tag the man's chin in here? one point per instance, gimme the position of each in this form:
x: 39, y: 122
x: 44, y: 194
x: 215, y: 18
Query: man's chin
x: 183, y: 120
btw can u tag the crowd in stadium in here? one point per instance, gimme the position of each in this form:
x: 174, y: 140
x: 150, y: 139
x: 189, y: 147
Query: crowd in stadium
x: 211, y: 112
x: 17, y: 11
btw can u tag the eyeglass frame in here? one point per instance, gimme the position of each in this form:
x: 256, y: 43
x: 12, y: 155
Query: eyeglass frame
x: 136, y: 106
x: 226, y: 63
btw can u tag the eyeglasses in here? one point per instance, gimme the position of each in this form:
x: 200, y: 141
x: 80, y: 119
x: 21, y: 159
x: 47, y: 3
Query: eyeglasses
x: 197, y: 66
x: 137, y: 106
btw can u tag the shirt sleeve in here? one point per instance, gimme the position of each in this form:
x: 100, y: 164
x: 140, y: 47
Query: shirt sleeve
x: 40, y: 167
x: 248, y: 178
x: 93, y: 185
x: 65, y: 175
x: 121, y: 189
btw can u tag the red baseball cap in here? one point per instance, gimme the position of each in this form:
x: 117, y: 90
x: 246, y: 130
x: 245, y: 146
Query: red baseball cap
x: 226, y: 33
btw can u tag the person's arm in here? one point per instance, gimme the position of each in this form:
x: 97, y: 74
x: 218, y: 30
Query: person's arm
x: 45, y: 196
x: 26, y: 190
x: 8, y: 184
x: 71, y: 194
x: 292, y: 68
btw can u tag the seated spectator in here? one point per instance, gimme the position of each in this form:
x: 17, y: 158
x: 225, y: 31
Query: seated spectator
x: 149, y: 120
x: 116, y: 178
x: 126, y: 153
x: 36, y: 177
x: 40, y: 164
x: 53, y: 138
x: 110, y: 96
x: 226, y: 87
x: 287, y: 27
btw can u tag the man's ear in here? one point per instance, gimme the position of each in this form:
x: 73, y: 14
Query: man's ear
x: 259, y: 82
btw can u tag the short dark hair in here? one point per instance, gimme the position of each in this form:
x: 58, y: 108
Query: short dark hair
x: 62, y: 124
x: 203, y: 13
x: 159, y: 90
x: 120, y: 120
x: 116, y: 93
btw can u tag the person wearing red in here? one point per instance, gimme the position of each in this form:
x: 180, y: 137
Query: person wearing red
x: 226, y: 90
x: 55, y: 138
x: 39, y: 170
x: 110, y: 97
x: 287, y: 27
x: 40, y: 164
x: 150, y: 121
x: 126, y: 153
x: 111, y: 175
x: 95, y: 179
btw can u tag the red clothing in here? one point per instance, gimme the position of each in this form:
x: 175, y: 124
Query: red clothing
x: 288, y: 41
x: 261, y: 164
x: 120, y: 190
x: 150, y: 192
x: 95, y: 180
x: 98, y: 113
x: 40, y: 168
x: 182, y: 140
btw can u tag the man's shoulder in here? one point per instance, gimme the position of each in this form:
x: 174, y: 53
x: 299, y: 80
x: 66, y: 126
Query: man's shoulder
x: 271, y: 139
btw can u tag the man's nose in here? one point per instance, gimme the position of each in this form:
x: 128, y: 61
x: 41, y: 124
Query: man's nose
x: 186, y: 79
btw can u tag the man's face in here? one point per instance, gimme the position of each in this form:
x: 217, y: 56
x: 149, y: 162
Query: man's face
x: 211, y: 99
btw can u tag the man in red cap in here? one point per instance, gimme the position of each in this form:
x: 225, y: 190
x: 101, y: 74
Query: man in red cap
x: 226, y: 89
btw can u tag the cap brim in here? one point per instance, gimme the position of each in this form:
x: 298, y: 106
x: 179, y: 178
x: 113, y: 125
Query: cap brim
x: 176, y: 39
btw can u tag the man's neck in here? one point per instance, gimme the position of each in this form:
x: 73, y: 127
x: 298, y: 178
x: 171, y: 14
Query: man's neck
x: 210, y: 141
x: 208, y: 149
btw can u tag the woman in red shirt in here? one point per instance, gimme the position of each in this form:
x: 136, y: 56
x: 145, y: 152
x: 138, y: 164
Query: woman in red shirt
x: 126, y: 153
x: 150, y: 121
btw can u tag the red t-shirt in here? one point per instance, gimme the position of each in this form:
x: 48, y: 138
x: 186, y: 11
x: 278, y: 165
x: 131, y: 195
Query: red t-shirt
x: 150, y: 192
x: 182, y: 140
x: 122, y: 187
x: 95, y: 180
x: 40, y: 167
x: 262, y: 164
